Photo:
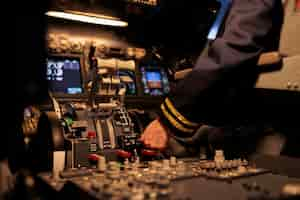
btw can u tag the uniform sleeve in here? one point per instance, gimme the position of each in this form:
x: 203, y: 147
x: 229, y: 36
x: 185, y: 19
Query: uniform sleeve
x: 229, y: 66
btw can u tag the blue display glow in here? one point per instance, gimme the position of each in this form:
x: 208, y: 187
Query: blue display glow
x: 153, y: 76
x: 74, y: 90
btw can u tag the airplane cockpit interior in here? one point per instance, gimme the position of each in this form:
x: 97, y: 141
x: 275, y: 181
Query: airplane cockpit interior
x: 93, y: 74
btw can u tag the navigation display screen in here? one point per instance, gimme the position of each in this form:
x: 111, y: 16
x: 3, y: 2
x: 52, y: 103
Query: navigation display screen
x: 64, y: 75
x: 155, y: 81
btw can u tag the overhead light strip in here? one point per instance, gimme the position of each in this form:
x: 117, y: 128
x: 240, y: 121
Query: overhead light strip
x: 108, y: 21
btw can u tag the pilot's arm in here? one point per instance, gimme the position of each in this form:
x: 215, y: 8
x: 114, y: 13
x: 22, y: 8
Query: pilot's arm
x: 251, y: 28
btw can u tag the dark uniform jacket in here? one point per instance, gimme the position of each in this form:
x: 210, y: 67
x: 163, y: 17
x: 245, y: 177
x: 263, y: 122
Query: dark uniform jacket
x: 216, y: 89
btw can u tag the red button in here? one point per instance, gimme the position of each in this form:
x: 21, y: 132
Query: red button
x: 123, y: 154
x: 147, y: 152
x: 93, y: 157
x: 91, y: 134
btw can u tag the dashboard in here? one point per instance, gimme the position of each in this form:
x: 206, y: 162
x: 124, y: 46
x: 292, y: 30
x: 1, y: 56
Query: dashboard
x: 67, y: 75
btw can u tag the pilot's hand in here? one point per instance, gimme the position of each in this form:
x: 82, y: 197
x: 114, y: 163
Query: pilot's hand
x: 155, y: 136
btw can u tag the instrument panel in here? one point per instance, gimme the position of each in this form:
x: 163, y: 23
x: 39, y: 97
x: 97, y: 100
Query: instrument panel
x: 68, y: 76
x: 173, y: 179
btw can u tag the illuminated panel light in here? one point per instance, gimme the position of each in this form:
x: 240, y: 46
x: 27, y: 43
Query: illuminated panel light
x: 93, y: 19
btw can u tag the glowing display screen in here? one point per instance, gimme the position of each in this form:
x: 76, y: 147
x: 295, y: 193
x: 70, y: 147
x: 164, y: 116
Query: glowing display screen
x: 155, y: 81
x: 63, y: 75
x: 153, y: 76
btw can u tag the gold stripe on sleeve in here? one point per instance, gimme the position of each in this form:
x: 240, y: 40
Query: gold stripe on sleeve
x: 173, y: 121
x: 178, y: 115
